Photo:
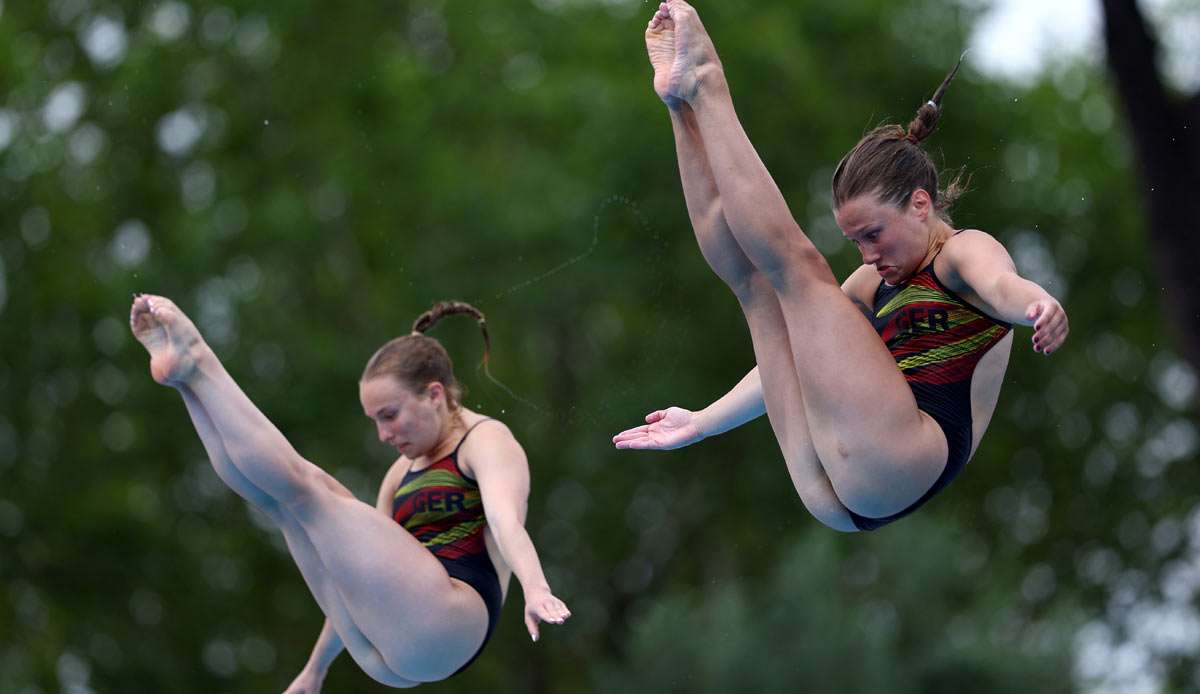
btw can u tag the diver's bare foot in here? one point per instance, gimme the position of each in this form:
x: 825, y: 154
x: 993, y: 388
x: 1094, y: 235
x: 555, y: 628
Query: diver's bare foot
x: 169, y: 336
x: 680, y: 51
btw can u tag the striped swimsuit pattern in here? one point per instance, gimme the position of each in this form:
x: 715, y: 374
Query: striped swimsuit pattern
x: 443, y: 509
x: 934, y: 336
x: 937, y: 340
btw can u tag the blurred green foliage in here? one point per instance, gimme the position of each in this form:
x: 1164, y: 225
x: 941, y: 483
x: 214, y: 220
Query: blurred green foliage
x: 305, y: 178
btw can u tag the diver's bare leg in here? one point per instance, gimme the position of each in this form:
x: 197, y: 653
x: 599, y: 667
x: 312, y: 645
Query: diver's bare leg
x: 423, y: 624
x: 768, y: 332
x: 880, y: 452
x: 316, y: 576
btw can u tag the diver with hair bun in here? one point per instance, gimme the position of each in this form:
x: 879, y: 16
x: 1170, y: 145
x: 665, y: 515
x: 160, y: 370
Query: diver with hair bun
x: 412, y: 588
x: 880, y: 389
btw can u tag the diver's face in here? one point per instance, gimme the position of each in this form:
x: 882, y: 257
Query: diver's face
x: 410, y: 422
x: 887, y: 236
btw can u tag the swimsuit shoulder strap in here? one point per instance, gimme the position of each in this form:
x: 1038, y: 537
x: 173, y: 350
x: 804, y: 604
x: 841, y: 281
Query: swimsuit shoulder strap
x: 466, y: 434
x: 454, y: 456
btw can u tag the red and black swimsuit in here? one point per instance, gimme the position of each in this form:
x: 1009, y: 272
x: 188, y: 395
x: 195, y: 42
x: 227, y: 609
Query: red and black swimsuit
x: 937, y: 339
x: 441, y: 506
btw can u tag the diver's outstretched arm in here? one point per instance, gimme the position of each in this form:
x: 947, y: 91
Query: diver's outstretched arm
x: 498, y: 463
x: 983, y: 265
x: 675, y: 427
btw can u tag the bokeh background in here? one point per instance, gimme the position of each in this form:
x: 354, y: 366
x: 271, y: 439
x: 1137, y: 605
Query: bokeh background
x: 305, y: 178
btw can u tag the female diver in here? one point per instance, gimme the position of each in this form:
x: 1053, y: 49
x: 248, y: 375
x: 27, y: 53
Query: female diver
x: 411, y: 588
x: 880, y: 389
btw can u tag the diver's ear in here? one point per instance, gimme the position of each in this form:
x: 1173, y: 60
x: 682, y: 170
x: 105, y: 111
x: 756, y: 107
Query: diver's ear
x: 920, y: 203
x: 435, y: 391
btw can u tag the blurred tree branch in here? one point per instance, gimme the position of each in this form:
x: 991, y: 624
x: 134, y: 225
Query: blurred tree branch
x: 1164, y: 130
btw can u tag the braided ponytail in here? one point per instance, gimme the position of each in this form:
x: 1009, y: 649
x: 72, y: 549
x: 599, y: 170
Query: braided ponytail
x: 441, y: 309
x: 417, y: 360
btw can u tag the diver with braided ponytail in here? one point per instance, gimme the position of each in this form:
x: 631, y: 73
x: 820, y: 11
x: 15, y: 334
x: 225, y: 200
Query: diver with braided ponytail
x: 880, y: 389
x: 412, y: 588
